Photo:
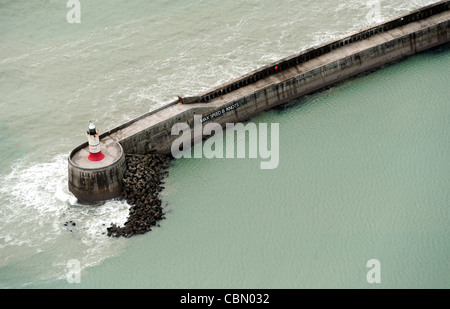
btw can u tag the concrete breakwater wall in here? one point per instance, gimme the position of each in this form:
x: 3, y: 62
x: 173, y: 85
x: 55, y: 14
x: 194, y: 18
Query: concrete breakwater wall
x: 268, y: 87
x: 311, y: 53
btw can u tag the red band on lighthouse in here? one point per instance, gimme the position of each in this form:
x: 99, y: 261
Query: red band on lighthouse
x: 96, y: 156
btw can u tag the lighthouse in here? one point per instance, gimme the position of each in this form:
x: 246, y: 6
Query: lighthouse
x: 95, y: 152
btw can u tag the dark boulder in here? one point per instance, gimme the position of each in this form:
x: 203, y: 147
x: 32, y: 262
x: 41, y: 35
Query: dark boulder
x: 141, y: 186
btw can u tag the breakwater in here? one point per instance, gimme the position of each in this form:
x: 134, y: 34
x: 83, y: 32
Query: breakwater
x: 258, y: 91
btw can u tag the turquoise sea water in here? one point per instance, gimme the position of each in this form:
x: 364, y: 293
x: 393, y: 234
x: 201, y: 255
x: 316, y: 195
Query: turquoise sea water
x: 363, y: 172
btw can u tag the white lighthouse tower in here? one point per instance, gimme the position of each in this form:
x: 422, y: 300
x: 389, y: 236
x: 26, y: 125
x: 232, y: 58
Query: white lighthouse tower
x: 95, y: 152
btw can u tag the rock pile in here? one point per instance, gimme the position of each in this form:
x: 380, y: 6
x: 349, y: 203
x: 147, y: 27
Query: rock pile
x: 141, y: 186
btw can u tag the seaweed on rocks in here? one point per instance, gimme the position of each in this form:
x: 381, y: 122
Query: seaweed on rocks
x: 142, y: 184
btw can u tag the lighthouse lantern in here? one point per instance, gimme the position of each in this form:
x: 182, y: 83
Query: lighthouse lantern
x: 95, y: 152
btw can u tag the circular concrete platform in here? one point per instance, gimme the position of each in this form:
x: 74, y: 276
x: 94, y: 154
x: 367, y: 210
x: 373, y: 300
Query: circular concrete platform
x: 96, y: 181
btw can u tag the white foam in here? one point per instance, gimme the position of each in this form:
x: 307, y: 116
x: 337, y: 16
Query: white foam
x: 36, y: 211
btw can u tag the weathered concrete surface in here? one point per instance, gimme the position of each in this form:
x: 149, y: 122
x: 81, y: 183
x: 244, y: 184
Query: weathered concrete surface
x: 288, y: 79
x: 153, y: 130
x: 91, y: 181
